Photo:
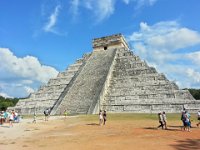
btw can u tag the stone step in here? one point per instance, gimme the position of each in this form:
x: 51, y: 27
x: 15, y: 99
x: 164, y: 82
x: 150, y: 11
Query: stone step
x: 89, y: 83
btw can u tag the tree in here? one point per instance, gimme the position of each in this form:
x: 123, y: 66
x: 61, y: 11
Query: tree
x: 7, y: 102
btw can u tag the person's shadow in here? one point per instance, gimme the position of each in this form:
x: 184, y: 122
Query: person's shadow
x: 5, y: 126
x: 92, y: 124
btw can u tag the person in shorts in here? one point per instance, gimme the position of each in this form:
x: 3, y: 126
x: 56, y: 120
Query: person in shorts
x: 100, y: 117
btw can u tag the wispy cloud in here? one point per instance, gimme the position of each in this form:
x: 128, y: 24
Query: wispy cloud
x: 167, y: 45
x: 74, y: 8
x: 103, y: 9
x: 140, y: 3
x: 52, y: 20
x: 20, y: 76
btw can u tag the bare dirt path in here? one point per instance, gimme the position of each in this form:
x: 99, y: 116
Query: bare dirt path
x: 76, y: 133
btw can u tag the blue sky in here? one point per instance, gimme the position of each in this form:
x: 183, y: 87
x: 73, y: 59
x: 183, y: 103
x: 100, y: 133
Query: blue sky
x: 40, y: 38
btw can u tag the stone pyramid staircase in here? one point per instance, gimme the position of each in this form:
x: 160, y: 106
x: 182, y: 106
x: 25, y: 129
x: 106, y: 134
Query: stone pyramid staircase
x: 83, y: 96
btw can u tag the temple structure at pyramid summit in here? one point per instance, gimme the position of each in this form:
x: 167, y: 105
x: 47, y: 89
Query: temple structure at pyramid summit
x: 110, y: 78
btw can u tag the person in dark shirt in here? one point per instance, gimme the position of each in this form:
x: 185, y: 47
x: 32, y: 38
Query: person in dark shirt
x: 104, y: 117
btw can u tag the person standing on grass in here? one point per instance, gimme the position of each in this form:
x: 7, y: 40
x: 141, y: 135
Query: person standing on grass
x: 183, y: 118
x: 46, y: 114
x: 187, y: 123
x: 100, y: 117
x: 189, y: 117
x: 164, y: 120
x: 34, y: 117
x: 198, y: 117
x: 65, y: 113
x: 160, y: 118
x: 104, y: 117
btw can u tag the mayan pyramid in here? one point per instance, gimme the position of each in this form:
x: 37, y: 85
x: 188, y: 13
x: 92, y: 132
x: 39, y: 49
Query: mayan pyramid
x: 111, y: 77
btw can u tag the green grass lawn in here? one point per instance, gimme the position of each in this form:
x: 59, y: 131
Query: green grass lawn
x: 135, y: 116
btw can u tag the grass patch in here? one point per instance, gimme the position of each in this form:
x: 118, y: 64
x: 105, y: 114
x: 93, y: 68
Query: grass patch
x: 135, y: 116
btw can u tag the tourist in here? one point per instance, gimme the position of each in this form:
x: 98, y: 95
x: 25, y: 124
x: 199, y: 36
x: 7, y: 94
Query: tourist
x: 100, y: 117
x: 65, y: 113
x: 1, y: 118
x: 16, y: 117
x: 34, y: 117
x: 46, y: 114
x: 5, y: 115
x: 160, y: 118
x: 104, y: 117
x: 187, y: 122
x: 164, y: 120
x: 198, y: 117
x: 188, y: 116
x: 183, y: 117
x: 11, y: 118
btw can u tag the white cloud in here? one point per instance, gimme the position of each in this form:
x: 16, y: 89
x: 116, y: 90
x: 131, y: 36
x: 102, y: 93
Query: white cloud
x: 102, y: 9
x: 194, y: 56
x: 5, y: 95
x: 168, y: 46
x: 52, y: 20
x: 140, y: 3
x: 20, y: 76
x: 193, y: 74
x: 74, y: 7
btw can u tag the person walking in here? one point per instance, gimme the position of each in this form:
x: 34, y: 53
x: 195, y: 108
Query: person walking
x: 46, y: 114
x: 187, y: 123
x: 65, y: 113
x: 34, y: 117
x: 100, y: 117
x: 11, y: 118
x: 164, y: 120
x: 198, y: 117
x: 104, y: 117
x: 160, y: 118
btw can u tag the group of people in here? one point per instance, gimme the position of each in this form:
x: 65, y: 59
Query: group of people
x: 185, y: 118
x: 162, y: 120
x: 102, y: 117
x: 9, y: 117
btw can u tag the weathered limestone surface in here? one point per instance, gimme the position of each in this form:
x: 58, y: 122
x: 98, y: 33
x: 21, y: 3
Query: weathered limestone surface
x: 110, y: 78
x: 84, y: 93
x: 136, y: 87
x: 48, y: 95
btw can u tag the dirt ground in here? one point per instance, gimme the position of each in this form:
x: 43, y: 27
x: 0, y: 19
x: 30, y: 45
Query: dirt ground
x: 75, y: 133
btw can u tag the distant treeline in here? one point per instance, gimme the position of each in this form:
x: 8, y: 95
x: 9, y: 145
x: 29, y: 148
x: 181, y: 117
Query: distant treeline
x: 195, y: 93
x: 7, y: 102
x: 10, y: 102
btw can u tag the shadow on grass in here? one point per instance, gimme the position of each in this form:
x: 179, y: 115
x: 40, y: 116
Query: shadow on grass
x: 188, y: 144
x: 92, y: 124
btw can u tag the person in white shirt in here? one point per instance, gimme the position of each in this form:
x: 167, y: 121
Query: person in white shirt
x: 11, y: 118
